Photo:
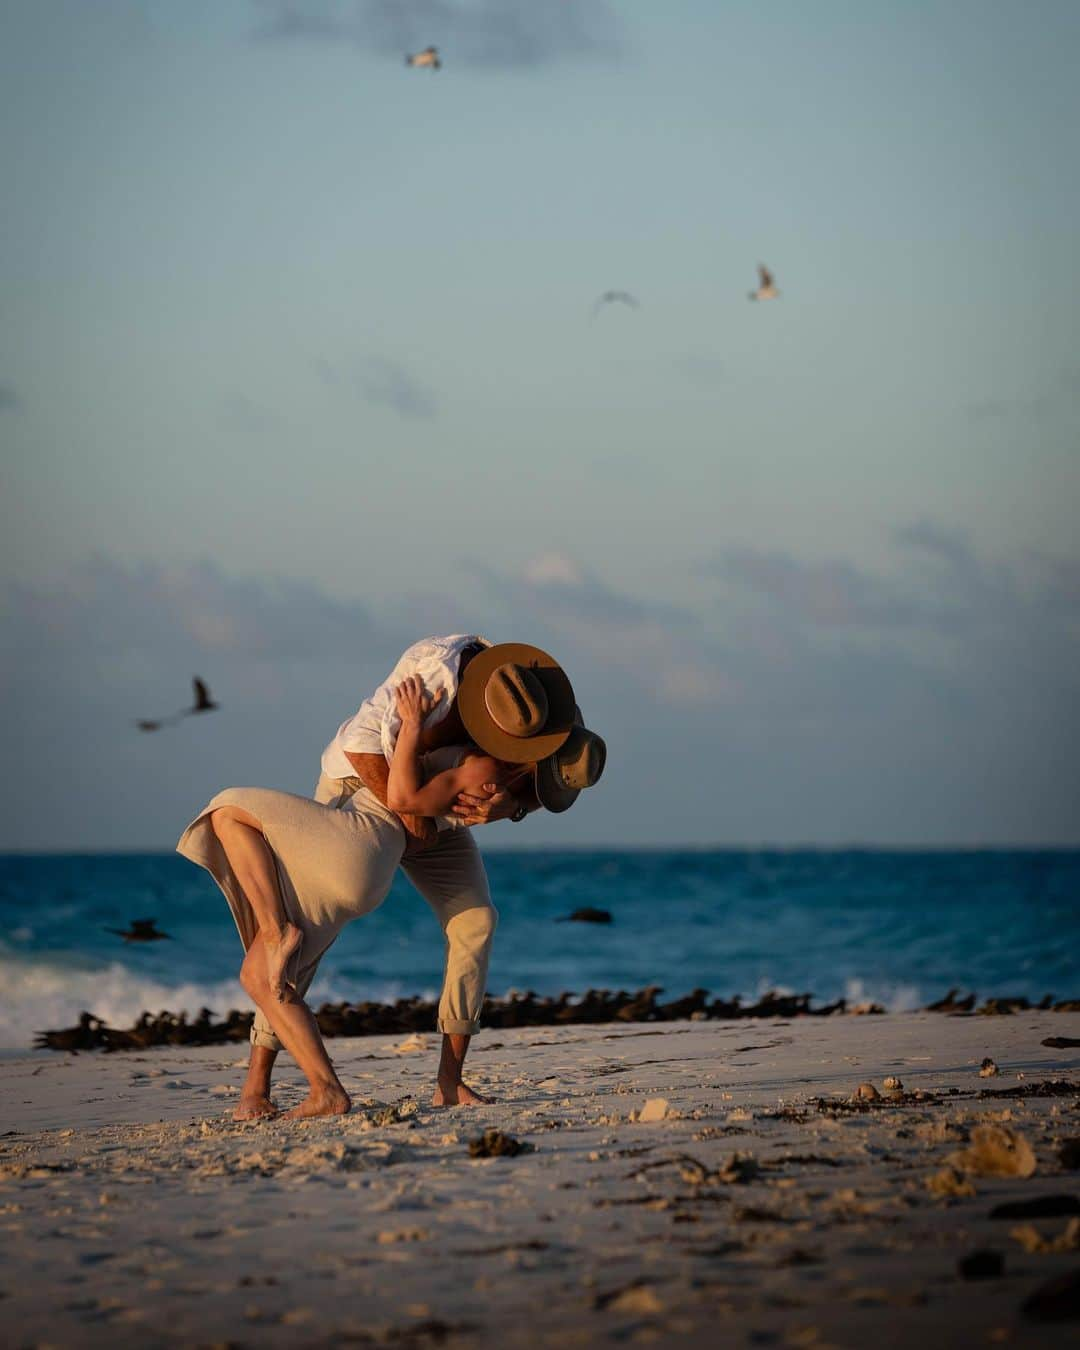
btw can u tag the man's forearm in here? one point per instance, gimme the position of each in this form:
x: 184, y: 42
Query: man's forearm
x: 373, y: 771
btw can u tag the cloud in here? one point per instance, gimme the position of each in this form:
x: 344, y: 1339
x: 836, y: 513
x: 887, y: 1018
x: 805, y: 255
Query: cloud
x: 832, y: 593
x: 385, y: 383
x: 9, y: 399
x: 482, y: 33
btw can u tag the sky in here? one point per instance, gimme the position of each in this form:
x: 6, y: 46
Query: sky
x: 298, y: 363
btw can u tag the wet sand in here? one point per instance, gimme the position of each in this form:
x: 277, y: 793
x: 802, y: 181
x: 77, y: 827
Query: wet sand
x: 136, y: 1213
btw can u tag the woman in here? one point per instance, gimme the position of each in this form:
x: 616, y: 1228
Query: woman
x: 296, y: 871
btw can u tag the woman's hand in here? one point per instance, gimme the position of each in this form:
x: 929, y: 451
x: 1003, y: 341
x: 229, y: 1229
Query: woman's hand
x: 413, y: 702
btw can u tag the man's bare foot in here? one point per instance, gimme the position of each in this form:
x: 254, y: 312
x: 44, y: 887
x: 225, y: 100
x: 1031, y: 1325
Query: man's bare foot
x: 457, y: 1094
x: 325, y: 1102
x: 251, y: 1108
x: 279, y: 950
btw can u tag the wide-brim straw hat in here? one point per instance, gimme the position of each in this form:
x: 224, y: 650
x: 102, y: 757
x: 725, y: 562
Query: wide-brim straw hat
x: 577, y: 764
x: 516, y: 702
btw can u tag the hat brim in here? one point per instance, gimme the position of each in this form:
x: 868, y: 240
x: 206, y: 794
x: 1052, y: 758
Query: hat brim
x: 482, y: 727
x: 550, y: 792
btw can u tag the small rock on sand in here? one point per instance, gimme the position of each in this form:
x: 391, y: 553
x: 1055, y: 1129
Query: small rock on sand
x: 995, y: 1151
x: 866, y: 1092
x: 988, y: 1069
x: 893, y: 1085
x: 656, y: 1108
x: 984, y: 1264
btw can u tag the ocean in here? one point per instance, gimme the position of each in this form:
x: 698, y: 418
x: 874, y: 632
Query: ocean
x: 899, y: 928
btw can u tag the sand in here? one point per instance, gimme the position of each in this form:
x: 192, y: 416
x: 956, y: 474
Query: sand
x: 681, y: 1187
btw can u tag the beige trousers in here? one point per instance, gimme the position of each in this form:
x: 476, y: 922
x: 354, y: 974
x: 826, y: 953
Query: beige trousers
x: 450, y: 876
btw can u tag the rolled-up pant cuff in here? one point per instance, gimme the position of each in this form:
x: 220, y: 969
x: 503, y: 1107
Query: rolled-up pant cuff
x: 266, y: 1039
x: 451, y: 1026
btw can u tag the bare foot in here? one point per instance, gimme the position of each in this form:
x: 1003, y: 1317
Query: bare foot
x: 325, y: 1102
x: 457, y: 1094
x: 278, y: 953
x: 251, y: 1108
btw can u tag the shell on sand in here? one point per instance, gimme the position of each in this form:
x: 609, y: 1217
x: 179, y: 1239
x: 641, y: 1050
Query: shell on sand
x: 995, y: 1151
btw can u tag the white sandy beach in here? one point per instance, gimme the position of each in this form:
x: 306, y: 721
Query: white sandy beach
x: 136, y: 1213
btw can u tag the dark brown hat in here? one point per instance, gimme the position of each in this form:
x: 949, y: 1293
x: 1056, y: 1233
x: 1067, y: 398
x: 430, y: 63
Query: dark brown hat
x: 516, y: 702
x: 577, y: 764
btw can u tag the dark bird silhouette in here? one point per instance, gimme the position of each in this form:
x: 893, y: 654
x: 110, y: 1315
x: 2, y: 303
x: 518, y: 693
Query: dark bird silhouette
x: 586, y: 915
x: 766, y: 285
x: 86, y: 1036
x: 428, y: 58
x: 202, y: 703
x: 140, y: 930
x: 614, y: 298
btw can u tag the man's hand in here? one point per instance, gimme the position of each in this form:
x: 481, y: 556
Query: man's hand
x: 490, y: 804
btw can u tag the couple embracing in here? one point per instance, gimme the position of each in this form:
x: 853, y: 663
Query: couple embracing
x: 461, y: 733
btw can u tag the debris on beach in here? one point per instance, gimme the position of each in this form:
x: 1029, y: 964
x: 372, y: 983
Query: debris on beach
x: 866, y: 1092
x: 656, y: 1108
x: 496, y: 1144
x: 635, y: 1297
x: 995, y: 1151
x: 951, y: 1004
x: 1034, y: 1243
x: 892, y: 1085
x: 948, y: 1182
x: 407, y: 1015
x: 984, y: 1264
x: 988, y: 1069
x: 1061, y: 1042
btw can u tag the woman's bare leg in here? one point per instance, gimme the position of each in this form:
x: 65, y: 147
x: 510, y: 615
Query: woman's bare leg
x: 295, y: 1027
x: 241, y: 836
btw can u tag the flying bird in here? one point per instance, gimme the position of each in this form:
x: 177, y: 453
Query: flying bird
x: 429, y: 57
x: 202, y: 703
x: 766, y: 285
x: 140, y: 930
x: 614, y: 298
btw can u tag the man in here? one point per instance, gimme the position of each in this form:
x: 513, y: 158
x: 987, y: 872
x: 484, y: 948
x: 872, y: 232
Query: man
x: 444, y: 864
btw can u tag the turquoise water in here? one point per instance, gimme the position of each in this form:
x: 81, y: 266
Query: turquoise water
x: 899, y: 928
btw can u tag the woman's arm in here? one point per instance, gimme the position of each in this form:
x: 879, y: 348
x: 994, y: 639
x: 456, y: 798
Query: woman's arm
x: 406, y: 791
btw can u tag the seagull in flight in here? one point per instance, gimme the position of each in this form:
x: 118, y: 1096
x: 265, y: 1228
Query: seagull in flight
x: 140, y: 930
x: 614, y: 298
x: 766, y: 285
x: 202, y: 703
x: 429, y: 57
